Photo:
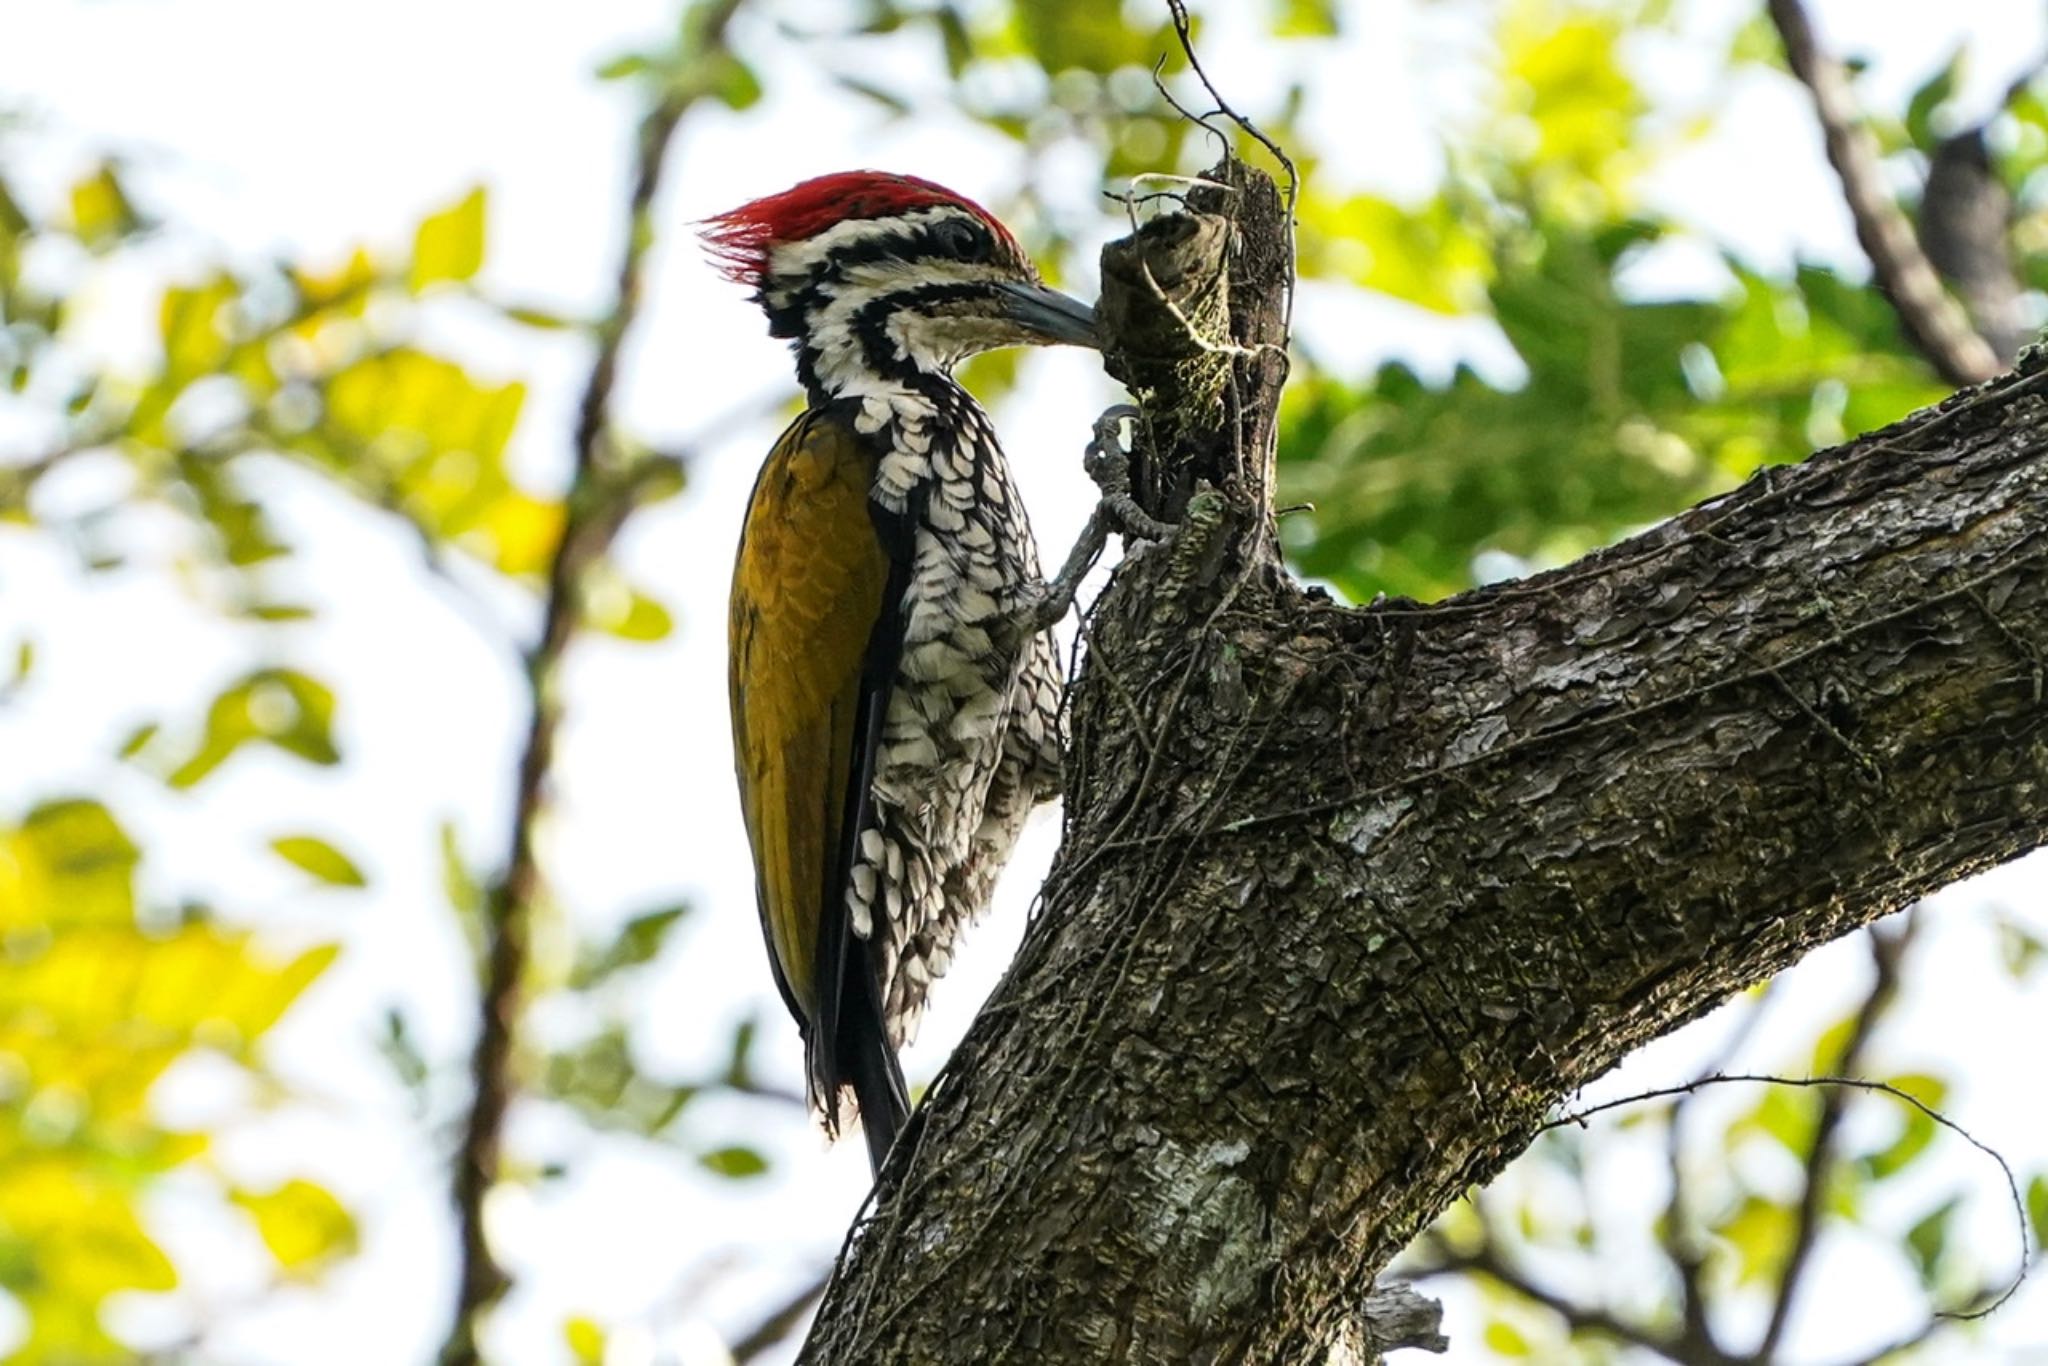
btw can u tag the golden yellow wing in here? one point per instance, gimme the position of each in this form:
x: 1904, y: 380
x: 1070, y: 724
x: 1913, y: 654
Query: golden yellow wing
x: 807, y: 591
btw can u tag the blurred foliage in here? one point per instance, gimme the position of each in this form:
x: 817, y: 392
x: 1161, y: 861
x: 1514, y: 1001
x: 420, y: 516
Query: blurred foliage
x: 1738, y: 1168
x: 1611, y: 398
x: 1629, y: 406
x: 100, y: 996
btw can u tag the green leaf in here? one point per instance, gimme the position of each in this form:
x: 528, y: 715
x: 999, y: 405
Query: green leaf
x: 1930, y: 1091
x: 1307, y: 19
x: 1927, y: 101
x: 624, y: 66
x: 449, y: 245
x: 321, y: 859
x: 638, y: 941
x: 734, y: 1163
x: 539, y: 319
x: 734, y: 84
x: 278, y: 612
x: 399, y: 1050
x: 2037, y: 1209
x: 465, y: 892
x: 13, y: 222
x: 1928, y: 1239
x: 2019, y: 949
x: 1914, y: 1139
x: 895, y: 104
x: 738, y: 1068
x: 619, y: 609
x: 286, y: 708
x: 24, y: 664
x: 72, y: 863
x: 138, y: 739
x: 1759, y: 1233
x: 1828, y: 1048
x: 959, y: 46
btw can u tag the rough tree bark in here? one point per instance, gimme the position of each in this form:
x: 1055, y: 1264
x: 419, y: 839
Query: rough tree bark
x: 1350, y: 899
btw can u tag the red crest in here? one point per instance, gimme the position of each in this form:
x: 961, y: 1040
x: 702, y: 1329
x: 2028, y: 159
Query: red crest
x: 740, y: 239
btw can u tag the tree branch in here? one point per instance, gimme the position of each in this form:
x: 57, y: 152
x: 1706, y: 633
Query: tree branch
x: 778, y: 1323
x: 1374, y: 890
x: 1487, y: 1260
x: 602, y: 493
x: 1934, y: 322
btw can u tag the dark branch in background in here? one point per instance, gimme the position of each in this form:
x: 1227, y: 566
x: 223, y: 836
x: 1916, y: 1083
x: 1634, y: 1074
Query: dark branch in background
x: 601, y: 495
x: 1934, y: 322
x: 1965, y: 221
x: 1885, y: 952
x: 1489, y: 1260
x: 1697, y: 1341
x: 779, y: 1323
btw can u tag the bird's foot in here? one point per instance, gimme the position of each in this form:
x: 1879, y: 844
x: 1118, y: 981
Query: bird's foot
x: 1043, y: 604
x: 1108, y: 462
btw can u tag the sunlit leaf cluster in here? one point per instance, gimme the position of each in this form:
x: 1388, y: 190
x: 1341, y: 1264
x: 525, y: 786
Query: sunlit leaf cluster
x: 100, y: 996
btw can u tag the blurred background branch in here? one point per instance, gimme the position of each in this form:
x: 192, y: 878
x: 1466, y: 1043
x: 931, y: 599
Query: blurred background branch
x: 1937, y: 325
x: 603, y: 491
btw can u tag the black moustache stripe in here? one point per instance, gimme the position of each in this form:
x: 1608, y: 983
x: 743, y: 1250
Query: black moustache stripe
x: 870, y: 326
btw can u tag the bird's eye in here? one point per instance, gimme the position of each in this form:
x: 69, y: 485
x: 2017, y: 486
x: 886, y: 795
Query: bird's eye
x: 960, y: 240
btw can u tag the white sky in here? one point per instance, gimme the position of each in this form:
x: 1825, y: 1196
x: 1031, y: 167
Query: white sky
x: 305, y: 128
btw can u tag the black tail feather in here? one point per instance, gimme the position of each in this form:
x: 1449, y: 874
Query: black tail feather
x: 868, y: 1064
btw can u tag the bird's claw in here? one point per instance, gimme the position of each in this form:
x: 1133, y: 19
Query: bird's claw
x: 1108, y: 463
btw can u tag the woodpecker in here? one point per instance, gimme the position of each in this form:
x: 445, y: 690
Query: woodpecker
x: 895, y: 711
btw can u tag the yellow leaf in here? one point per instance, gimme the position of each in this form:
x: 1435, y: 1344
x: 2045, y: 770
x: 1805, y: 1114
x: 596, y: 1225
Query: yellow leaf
x: 100, y: 211
x: 346, y: 289
x: 1571, y: 107
x: 1505, y: 1339
x: 450, y: 244
x: 193, y: 325
x: 619, y: 609
x: 585, y: 1337
x: 302, y: 1224
x: 69, y: 863
x: 1426, y: 255
x: 87, y: 1237
x: 523, y: 531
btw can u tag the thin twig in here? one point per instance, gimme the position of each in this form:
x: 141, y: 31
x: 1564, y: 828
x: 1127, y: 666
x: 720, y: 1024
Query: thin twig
x: 1934, y: 322
x: 1183, y: 29
x: 595, y: 506
x: 1578, y: 1118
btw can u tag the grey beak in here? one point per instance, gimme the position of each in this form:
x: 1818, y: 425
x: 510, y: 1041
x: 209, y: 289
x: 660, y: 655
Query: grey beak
x: 1050, y: 314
